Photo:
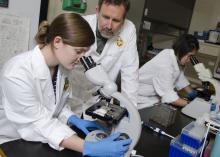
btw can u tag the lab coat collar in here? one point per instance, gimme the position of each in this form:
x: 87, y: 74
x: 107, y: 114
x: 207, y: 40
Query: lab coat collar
x: 42, y: 72
x: 39, y: 65
x: 176, y: 68
x: 175, y: 62
x: 62, y: 80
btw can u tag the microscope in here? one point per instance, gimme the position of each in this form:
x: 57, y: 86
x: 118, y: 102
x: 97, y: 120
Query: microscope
x: 202, y: 71
x: 199, y: 106
x: 123, y: 118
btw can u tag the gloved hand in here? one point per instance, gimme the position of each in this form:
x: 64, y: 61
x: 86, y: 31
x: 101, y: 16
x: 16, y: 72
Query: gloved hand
x: 84, y: 125
x: 108, y: 147
x: 192, y: 95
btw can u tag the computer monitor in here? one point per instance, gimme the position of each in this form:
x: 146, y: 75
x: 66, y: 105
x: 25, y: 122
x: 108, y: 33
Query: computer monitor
x: 216, y: 73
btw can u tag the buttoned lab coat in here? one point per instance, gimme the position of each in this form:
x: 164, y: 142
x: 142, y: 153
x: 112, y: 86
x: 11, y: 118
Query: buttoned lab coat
x: 29, y: 102
x: 158, y: 79
x: 119, y: 55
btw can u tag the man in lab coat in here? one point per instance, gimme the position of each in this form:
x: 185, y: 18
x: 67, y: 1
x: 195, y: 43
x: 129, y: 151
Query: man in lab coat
x: 163, y: 75
x: 115, y: 48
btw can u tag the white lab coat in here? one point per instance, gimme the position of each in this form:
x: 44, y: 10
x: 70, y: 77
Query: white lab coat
x: 158, y: 79
x: 114, y: 58
x: 29, y: 102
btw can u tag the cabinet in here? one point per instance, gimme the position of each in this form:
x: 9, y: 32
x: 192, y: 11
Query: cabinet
x: 207, y: 55
x: 156, y: 33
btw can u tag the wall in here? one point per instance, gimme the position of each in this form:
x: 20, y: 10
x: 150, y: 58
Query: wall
x: 205, y: 16
x: 19, y: 7
x: 55, y: 8
x: 135, y: 14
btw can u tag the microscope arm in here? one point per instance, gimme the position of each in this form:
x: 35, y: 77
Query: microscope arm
x: 99, y: 77
x: 202, y: 71
x: 131, y: 124
x: 200, y: 68
x: 205, y: 75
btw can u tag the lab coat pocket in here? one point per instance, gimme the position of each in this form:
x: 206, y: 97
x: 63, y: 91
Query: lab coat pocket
x: 111, y: 59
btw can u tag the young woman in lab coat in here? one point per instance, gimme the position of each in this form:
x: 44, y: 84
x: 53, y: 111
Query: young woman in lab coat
x: 35, y: 87
x: 159, y: 77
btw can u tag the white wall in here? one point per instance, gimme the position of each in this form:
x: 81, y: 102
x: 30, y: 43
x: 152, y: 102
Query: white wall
x: 55, y: 8
x: 26, y: 8
x: 205, y: 16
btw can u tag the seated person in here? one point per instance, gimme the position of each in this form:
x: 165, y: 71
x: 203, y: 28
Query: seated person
x: 159, y: 77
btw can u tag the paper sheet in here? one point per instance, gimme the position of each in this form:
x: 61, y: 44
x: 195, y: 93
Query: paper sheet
x: 196, y: 108
x: 14, y: 36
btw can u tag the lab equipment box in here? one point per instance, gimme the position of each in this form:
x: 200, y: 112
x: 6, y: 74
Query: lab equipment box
x: 178, y: 149
x: 163, y: 114
x: 193, y: 135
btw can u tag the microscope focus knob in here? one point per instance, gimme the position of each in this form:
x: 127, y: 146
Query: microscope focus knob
x: 123, y: 136
x: 96, y: 135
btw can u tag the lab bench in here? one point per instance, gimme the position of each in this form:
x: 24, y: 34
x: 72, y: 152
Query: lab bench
x: 150, y: 144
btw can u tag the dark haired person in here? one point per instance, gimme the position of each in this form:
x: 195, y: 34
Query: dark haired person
x: 114, y: 48
x: 34, y: 87
x: 163, y: 75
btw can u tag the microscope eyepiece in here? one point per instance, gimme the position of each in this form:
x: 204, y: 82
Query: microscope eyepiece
x: 193, y: 60
x: 87, y: 62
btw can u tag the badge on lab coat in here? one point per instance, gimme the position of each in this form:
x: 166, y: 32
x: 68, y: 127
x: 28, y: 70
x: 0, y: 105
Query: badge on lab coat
x: 119, y: 42
x: 2, y: 154
x: 66, y: 85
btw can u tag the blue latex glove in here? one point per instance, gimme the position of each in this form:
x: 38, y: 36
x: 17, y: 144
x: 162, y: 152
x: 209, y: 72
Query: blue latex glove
x: 107, y: 147
x: 84, y: 125
x: 192, y: 95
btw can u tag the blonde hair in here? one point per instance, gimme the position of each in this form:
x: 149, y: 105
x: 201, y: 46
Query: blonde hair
x: 71, y: 27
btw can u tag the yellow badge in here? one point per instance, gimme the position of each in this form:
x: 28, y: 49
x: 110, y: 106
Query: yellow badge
x: 2, y: 154
x: 119, y: 42
x: 66, y: 85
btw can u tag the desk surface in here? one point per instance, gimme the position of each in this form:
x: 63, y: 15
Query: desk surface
x: 152, y: 144
x: 149, y: 145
